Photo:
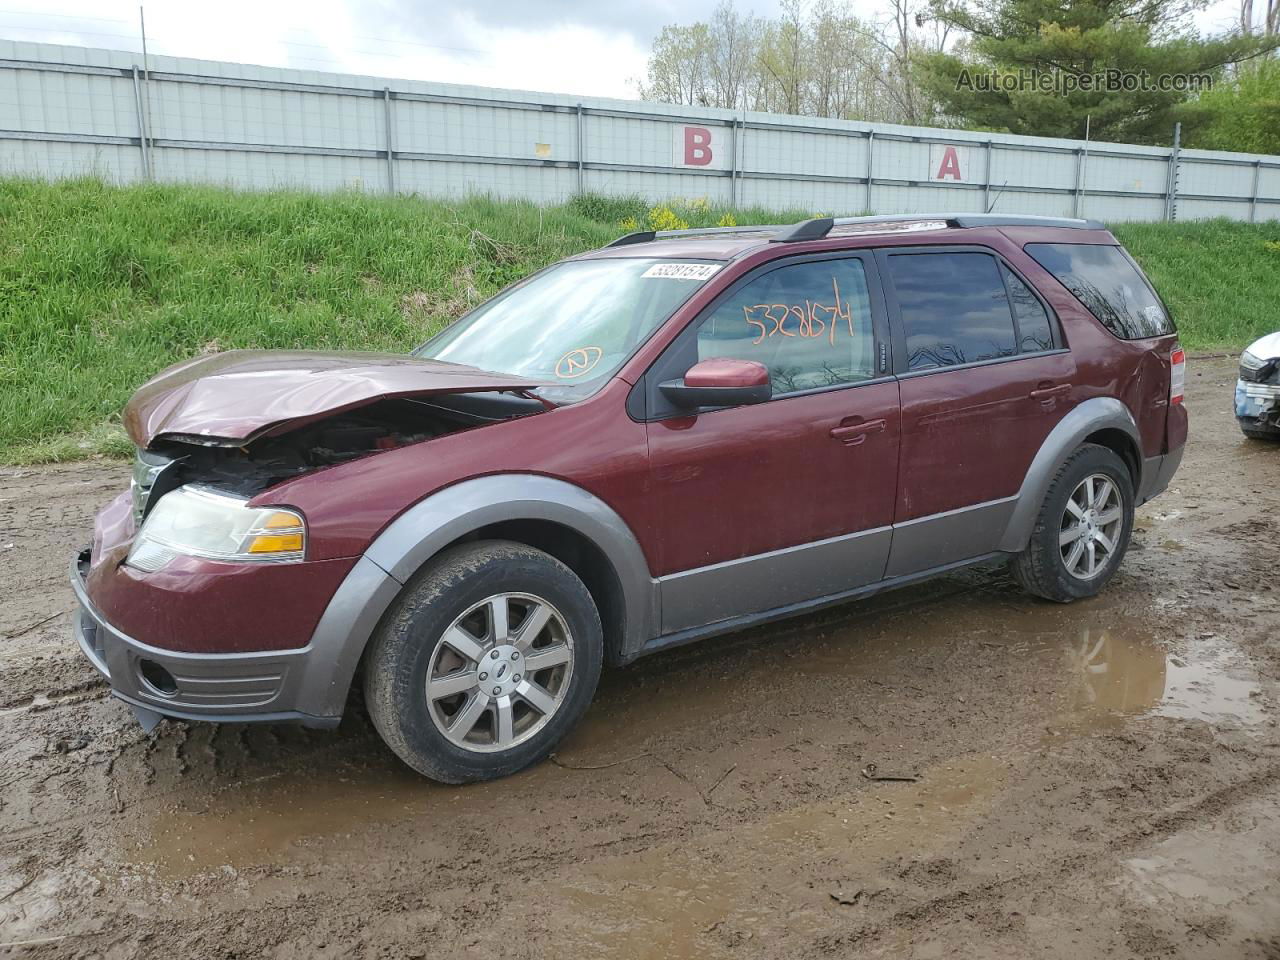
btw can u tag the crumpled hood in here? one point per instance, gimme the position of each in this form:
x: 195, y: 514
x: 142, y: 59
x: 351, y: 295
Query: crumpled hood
x: 1266, y: 348
x: 238, y: 395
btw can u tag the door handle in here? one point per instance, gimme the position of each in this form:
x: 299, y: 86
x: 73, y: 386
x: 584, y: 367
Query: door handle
x: 1046, y: 392
x: 855, y: 433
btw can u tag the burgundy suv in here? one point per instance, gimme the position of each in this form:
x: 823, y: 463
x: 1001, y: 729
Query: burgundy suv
x: 675, y: 436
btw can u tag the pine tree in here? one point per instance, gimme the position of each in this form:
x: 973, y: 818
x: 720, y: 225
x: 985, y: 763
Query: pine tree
x: 1015, y: 69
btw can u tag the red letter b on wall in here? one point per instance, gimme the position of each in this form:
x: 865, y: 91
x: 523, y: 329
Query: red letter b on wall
x: 697, y: 146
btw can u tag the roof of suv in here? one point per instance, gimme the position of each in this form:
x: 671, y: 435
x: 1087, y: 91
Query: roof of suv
x: 728, y: 243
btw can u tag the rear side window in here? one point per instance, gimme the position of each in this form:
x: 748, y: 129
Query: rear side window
x: 964, y: 308
x: 1106, y: 281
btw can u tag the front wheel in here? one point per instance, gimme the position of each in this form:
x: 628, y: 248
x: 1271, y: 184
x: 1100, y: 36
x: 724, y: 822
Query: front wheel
x: 488, y: 659
x: 1083, y: 528
x: 1257, y: 430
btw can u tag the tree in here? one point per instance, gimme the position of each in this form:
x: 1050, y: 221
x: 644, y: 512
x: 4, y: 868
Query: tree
x: 1014, y: 46
x: 1243, y: 114
x: 815, y: 59
x: 680, y: 67
x: 733, y: 40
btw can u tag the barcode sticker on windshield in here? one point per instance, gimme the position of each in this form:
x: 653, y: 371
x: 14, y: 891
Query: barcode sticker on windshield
x: 682, y: 271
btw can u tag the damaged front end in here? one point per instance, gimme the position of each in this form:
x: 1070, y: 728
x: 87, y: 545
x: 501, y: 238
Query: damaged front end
x: 246, y: 468
x: 1258, y: 389
x: 238, y: 423
x: 200, y: 597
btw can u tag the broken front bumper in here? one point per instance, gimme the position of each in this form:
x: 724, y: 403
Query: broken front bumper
x: 230, y: 687
x: 1259, y: 402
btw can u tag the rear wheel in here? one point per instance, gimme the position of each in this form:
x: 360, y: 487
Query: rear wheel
x: 1083, y: 528
x: 490, y: 656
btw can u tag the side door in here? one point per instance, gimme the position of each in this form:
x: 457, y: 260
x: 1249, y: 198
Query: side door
x: 770, y: 504
x: 985, y: 375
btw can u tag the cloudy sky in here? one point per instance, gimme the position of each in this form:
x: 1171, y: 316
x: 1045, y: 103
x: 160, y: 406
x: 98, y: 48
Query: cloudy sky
x: 594, y: 47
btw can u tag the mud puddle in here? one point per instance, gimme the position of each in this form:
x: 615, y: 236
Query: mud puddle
x: 1127, y: 674
x: 1215, y: 869
x: 265, y: 820
x: 676, y: 903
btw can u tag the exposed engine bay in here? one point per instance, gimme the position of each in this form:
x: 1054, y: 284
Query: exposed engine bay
x: 248, y: 469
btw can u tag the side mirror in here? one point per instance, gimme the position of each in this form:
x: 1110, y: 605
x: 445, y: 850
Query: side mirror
x: 720, y: 382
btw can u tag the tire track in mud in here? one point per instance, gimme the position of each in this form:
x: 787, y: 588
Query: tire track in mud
x: 159, y: 768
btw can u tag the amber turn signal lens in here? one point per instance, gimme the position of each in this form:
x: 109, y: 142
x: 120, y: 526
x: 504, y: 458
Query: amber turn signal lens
x: 276, y: 543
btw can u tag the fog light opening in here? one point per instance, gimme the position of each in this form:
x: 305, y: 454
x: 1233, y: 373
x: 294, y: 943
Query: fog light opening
x: 157, y: 678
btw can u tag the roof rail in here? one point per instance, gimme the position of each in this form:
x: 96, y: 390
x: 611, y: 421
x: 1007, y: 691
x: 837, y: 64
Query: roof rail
x: 644, y: 236
x: 820, y: 227
x: 814, y: 229
x: 1021, y: 220
x: 640, y: 236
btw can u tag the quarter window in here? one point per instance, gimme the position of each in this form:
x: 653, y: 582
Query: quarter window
x: 809, y: 323
x: 1035, y: 332
x: 1110, y: 284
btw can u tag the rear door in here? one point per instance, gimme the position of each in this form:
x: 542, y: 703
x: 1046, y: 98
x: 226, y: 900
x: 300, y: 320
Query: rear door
x: 766, y: 505
x: 984, y: 377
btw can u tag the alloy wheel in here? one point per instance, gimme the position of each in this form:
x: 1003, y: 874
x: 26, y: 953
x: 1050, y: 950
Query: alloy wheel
x: 500, y: 672
x: 1091, y: 526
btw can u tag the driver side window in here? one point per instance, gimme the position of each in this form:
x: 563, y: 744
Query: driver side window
x: 808, y: 323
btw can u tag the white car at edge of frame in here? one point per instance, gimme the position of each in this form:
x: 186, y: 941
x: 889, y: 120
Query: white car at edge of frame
x: 1258, y: 389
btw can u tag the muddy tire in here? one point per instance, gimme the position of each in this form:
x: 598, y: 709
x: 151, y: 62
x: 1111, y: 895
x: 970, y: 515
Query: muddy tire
x: 1083, y: 528
x: 487, y: 659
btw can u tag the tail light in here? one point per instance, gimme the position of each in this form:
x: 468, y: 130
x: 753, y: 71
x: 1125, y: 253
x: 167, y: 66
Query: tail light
x: 1177, y: 374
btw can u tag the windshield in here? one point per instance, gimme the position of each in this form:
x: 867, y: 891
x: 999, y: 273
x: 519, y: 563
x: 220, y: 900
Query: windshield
x: 572, y: 325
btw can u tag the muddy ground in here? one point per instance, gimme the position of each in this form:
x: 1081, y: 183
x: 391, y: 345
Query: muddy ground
x: 1100, y: 779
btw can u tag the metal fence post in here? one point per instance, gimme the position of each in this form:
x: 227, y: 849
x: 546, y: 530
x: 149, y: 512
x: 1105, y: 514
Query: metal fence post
x: 142, y: 126
x: 871, y: 167
x: 1253, y: 195
x: 986, y: 184
x: 391, y: 158
x: 733, y: 167
x: 1171, y: 191
x: 579, y: 151
x: 1075, y: 201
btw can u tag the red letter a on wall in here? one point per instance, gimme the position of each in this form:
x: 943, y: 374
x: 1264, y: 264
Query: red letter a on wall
x: 950, y: 166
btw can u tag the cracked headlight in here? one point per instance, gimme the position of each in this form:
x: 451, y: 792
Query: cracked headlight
x: 197, y: 522
x: 1250, y: 362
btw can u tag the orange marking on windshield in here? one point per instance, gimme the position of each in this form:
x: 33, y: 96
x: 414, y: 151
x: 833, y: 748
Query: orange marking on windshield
x: 577, y: 363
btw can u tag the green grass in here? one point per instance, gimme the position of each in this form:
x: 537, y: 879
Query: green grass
x: 101, y: 287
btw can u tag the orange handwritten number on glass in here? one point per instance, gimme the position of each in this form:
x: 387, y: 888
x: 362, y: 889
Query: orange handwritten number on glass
x: 808, y: 323
x: 752, y: 321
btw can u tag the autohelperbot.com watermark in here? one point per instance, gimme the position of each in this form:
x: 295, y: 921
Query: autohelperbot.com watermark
x: 1064, y: 82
